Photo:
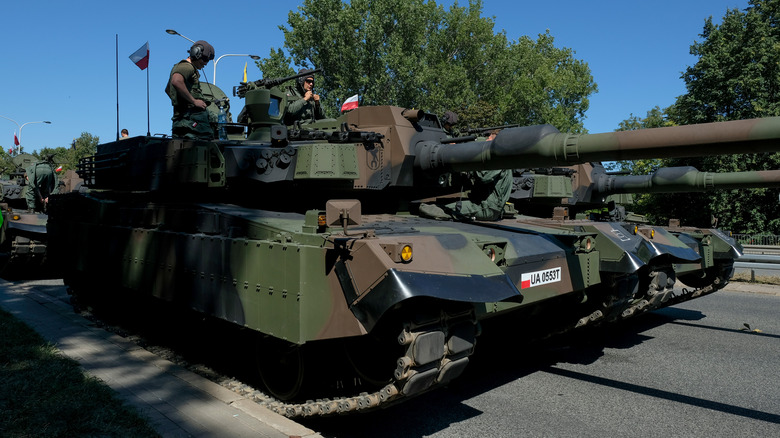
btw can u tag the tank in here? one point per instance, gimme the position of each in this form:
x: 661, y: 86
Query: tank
x: 23, y: 234
x: 589, y: 186
x: 308, y: 235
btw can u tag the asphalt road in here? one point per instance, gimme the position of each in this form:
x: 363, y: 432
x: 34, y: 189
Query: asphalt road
x: 693, y: 370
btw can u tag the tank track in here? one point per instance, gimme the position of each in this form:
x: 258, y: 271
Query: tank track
x: 654, y: 301
x: 435, y: 352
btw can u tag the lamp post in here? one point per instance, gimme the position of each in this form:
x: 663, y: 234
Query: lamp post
x: 214, y: 78
x: 22, y: 126
x: 173, y: 32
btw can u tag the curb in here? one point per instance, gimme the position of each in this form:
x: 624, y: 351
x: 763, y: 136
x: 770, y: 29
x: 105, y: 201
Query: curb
x: 176, y: 401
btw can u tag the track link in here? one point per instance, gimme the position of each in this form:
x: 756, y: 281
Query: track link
x: 435, y: 352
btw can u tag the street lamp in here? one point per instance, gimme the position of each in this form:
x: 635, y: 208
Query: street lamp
x: 173, y: 32
x: 22, y: 126
x: 214, y: 78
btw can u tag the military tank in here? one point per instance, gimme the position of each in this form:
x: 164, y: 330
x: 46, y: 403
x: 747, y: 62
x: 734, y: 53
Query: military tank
x: 308, y: 235
x: 23, y: 231
x: 589, y: 186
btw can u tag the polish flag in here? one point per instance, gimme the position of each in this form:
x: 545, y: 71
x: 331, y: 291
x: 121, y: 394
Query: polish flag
x: 350, y: 103
x: 141, y: 57
x: 16, y: 139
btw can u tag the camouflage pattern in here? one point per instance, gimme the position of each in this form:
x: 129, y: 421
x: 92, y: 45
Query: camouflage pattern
x: 23, y: 233
x: 592, y: 187
x: 310, y: 237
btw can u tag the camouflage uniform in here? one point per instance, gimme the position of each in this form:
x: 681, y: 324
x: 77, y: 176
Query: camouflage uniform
x: 188, y: 121
x: 485, y: 202
x: 300, y: 109
x: 487, y: 198
x: 41, y: 182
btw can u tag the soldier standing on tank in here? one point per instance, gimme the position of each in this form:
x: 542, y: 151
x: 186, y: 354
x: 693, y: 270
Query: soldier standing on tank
x: 190, y: 118
x: 303, y: 105
x: 41, y: 182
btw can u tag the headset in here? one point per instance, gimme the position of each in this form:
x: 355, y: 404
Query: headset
x: 196, y: 52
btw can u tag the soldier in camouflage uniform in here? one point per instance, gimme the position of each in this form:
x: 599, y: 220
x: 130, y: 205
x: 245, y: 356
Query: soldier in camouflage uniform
x: 190, y: 118
x: 41, y: 182
x: 303, y: 105
x: 490, y: 190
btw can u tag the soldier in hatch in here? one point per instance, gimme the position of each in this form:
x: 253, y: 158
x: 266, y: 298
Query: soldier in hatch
x: 190, y: 118
x: 303, y: 105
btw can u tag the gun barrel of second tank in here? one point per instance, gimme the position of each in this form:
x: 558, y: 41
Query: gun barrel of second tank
x: 545, y: 146
x: 687, y: 179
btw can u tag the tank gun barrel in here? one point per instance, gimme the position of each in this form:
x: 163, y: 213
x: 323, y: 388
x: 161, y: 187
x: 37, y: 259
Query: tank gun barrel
x: 686, y: 179
x: 545, y: 146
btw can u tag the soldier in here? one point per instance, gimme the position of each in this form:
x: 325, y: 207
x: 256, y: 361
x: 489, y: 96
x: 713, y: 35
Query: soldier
x: 448, y: 122
x: 490, y: 190
x: 41, y: 182
x: 303, y: 104
x: 190, y: 118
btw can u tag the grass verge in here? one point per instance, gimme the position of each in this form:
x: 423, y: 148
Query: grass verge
x: 759, y: 279
x: 43, y: 393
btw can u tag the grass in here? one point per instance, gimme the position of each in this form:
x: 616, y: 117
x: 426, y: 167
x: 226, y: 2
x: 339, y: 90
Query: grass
x: 43, y: 393
x: 759, y: 279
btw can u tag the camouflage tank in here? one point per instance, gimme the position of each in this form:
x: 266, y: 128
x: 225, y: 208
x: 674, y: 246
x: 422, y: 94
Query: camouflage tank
x: 589, y: 186
x: 308, y: 235
x: 23, y: 231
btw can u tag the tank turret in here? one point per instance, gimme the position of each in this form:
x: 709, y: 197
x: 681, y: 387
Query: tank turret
x: 590, y: 184
x: 400, y: 150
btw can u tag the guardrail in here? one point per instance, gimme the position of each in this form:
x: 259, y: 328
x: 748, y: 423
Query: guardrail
x: 757, y: 239
x: 759, y: 260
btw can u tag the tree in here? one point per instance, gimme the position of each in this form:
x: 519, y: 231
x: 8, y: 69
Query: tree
x: 736, y: 76
x: 416, y: 54
x: 82, y: 147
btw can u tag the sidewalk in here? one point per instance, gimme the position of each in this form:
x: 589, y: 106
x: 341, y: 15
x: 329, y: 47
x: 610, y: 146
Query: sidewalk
x: 739, y: 286
x: 177, y: 402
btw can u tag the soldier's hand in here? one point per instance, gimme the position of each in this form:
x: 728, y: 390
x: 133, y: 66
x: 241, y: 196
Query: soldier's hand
x: 316, y: 98
x: 242, y: 89
x: 200, y: 104
x: 307, y: 97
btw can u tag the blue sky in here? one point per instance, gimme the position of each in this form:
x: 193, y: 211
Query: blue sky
x: 59, y: 60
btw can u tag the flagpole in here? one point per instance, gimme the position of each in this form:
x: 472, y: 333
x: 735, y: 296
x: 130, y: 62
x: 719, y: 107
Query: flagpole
x: 148, y: 131
x: 117, y: 87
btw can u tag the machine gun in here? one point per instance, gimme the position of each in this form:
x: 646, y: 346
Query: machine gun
x: 269, y: 83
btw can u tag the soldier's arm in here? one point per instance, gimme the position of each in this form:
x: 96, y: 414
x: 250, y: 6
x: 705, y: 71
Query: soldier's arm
x: 177, y: 80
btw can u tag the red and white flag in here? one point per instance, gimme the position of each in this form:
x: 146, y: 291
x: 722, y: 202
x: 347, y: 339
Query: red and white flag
x: 141, y: 57
x: 58, y: 169
x: 16, y: 139
x: 350, y: 103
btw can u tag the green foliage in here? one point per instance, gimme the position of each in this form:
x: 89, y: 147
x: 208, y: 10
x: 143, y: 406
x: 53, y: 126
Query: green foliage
x: 6, y: 165
x: 416, y: 54
x: 82, y: 147
x: 736, y: 76
x: 277, y: 65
